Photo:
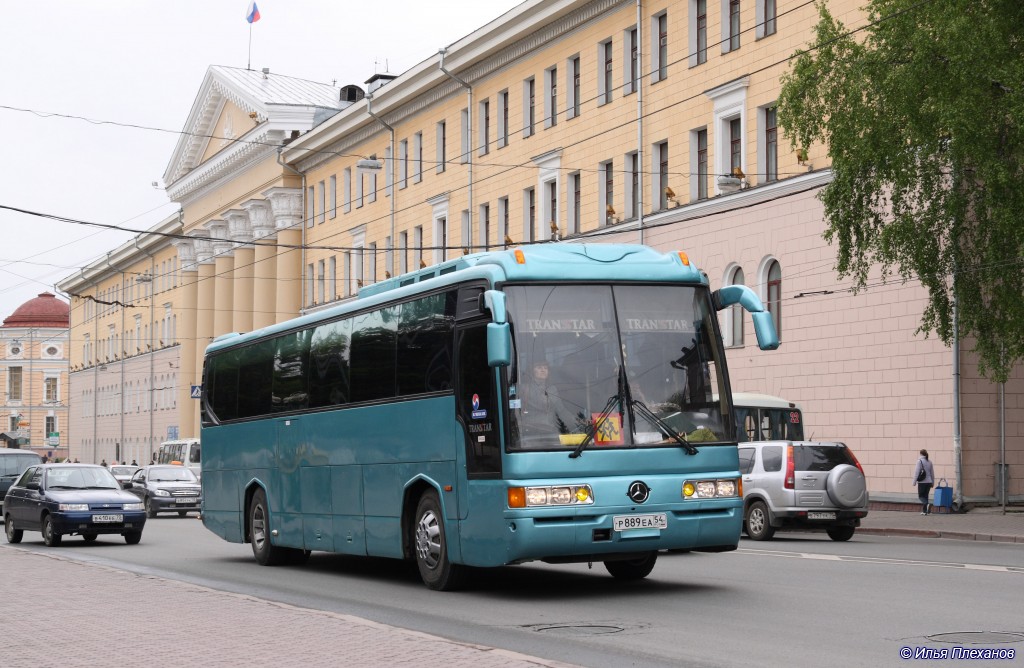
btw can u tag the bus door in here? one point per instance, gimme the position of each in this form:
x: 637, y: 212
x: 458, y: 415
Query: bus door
x: 285, y: 497
x: 476, y: 408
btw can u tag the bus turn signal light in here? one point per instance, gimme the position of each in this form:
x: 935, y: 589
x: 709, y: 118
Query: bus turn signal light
x: 520, y: 258
x: 684, y: 258
x: 516, y: 497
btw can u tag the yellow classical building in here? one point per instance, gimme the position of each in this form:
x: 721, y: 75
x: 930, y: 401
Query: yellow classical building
x: 600, y: 120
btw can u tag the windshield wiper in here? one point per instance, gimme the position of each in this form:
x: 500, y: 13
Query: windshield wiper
x: 596, y: 425
x: 642, y: 408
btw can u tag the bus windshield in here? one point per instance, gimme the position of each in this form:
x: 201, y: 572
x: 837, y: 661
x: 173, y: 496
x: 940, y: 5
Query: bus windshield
x: 625, y: 365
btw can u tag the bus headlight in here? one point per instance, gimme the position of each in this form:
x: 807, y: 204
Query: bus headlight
x: 558, y: 495
x: 722, y: 488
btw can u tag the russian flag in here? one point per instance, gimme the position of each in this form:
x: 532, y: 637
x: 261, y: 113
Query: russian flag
x: 253, y: 15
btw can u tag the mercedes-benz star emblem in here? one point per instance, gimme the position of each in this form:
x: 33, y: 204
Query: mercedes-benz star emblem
x: 638, y: 491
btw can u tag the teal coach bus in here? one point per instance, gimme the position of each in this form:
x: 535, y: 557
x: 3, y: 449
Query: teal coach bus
x: 559, y: 402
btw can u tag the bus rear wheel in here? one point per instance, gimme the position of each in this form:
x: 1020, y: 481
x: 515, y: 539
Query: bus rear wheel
x: 428, y: 539
x: 632, y: 569
x: 266, y: 553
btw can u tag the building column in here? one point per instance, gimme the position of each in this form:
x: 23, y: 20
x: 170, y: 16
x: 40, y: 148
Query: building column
x: 286, y: 204
x: 204, y: 297
x: 223, y: 268
x: 188, y: 408
x: 264, y: 284
x: 240, y: 233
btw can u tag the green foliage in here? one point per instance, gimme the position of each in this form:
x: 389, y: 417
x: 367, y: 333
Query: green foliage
x: 922, y: 115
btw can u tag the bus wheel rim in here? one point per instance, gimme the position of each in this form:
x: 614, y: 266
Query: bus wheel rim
x: 428, y: 539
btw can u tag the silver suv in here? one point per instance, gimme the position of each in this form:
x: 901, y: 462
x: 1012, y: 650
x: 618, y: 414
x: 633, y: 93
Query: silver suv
x: 801, y: 485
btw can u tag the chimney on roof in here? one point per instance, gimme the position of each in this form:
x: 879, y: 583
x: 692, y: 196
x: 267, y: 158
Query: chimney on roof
x: 378, y: 80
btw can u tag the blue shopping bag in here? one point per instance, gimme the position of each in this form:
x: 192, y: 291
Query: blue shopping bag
x: 943, y: 495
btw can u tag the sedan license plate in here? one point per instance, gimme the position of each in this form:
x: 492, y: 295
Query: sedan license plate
x: 821, y: 516
x: 187, y: 499
x: 635, y: 522
x: 108, y: 518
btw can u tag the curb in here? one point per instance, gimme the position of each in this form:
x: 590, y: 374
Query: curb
x: 953, y: 535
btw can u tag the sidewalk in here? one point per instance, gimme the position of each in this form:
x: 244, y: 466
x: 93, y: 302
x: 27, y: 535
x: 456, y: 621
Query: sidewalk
x: 977, y: 524
x: 87, y: 615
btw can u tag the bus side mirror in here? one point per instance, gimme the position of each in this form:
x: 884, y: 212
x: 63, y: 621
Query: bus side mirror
x: 499, y: 344
x: 494, y: 301
x: 764, y: 328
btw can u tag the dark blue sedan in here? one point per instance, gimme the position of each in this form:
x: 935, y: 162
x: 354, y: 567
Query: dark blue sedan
x: 67, y: 499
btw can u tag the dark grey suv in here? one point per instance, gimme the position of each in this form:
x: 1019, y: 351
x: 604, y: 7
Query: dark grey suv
x: 801, y: 485
x: 13, y: 463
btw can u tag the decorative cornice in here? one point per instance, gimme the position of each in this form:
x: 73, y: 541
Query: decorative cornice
x: 502, y: 58
x: 226, y: 164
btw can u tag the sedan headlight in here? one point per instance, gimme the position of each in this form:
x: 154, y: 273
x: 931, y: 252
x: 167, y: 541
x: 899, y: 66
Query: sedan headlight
x: 73, y: 507
x: 161, y: 492
x: 723, y: 488
x: 134, y: 506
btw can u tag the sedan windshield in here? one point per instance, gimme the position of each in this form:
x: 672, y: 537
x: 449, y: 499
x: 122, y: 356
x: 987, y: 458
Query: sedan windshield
x: 86, y: 477
x: 615, y: 366
x: 172, y: 474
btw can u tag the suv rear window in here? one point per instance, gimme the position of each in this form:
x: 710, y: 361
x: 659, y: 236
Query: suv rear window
x: 820, y: 457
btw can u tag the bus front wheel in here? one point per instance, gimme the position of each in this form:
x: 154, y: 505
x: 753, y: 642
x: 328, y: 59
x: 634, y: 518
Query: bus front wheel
x: 436, y: 571
x: 632, y: 569
x: 259, y: 533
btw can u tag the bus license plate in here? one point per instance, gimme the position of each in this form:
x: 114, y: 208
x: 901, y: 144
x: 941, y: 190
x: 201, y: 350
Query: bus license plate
x: 821, y: 516
x: 187, y: 499
x: 634, y: 522
x: 108, y: 518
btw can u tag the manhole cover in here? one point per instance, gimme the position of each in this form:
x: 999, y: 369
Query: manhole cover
x: 977, y: 637
x: 579, y: 629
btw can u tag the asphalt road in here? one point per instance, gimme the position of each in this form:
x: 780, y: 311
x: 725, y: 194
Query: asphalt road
x: 797, y: 600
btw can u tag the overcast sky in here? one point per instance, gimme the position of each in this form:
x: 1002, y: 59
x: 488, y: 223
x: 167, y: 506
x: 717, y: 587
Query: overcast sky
x: 141, y: 62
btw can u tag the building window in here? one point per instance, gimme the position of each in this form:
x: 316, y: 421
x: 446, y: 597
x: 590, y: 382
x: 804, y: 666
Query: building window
x: 573, y: 103
x: 360, y: 177
x: 662, y: 171
x: 309, y: 285
x: 607, y: 192
x: 332, y: 277
x: 551, y: 97
x: 403, y: 252
x: 389, y: 256
x: 346, y: 187
x: 14, y: 384
x: 467, y: 231
x: 503, y: 218
x: 774, y: 301
x: 633, y: 185
x: 403, y: 163
x: 417, y: 157
x: 441, y: 229
x: 51, y: 424
x: 731, y: 39
x: 552, y: 206
x: 348, y: 273
x: 735, y: 314
x: 372, y: 190
x: 701, y: 160
x: 576, y: 202
x: 529, y: 214
x: 766, y: 15
x: 321, y: 196
x: 735, y: 146
x: 529, y: 119
x: 604, y: 56
x: 442, y: 138
x: 659, y: 51
x: 485, y: 226
x: 321, y: 282
x: 698, y: 32
x: 503, y: 119
x: 465, y: 133
x: 333, y: 196
x: 630, y: 62
x: 771, y: 144
x: 311, y: 205
x: 50, y: 394
x: 373, y: 262
x: 417, y: 239
x: 484, y: 132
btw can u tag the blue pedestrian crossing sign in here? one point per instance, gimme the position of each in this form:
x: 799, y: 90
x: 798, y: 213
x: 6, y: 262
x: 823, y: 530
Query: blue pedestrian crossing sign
x: 197, y: 391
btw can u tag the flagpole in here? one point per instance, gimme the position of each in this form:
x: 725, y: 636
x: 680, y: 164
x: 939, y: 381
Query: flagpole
x: 248, y: 64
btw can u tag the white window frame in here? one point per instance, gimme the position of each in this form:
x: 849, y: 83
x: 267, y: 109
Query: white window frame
x: 572, y: 101
x: 572, y: 216
x: 761, y: 18
x: 630, y: 69
x: 730, y: 103
x: 605, y: 83
x: 503, y: 100
x: 603, y: 200
x: 417, y: 157
x: 403, y: 164
x: 483, y: 139
x: 529, y: 214
x: 333, y: 195
x: 441, y: 131
x: 726, y: 23
x: 503, y: 220
x: 332, y: 277
x: 465, y: 133
x: 439, y: 224
x: 346, y: 189
x: 550, y: 101
x: 692, y: 43
x: 659, y: 60
x: 529, y: 109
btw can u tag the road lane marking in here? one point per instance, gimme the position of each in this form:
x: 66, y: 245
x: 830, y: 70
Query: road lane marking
x: 880, y: 560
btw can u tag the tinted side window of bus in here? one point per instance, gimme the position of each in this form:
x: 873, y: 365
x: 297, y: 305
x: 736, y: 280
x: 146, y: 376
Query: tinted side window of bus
x: 291, y: 359
x: 373, y: 354
x: 425, y: 344
x: 329, y: 364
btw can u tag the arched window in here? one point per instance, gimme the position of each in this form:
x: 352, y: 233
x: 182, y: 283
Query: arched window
x: 736, y: 312
x: 775, y: 294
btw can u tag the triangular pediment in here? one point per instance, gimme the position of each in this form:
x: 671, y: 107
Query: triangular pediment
x: 238, y: 114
